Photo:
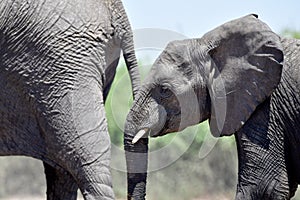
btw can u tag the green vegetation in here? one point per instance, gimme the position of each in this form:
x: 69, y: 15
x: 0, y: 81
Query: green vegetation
x: 190, y: 176
x: 291, y: 33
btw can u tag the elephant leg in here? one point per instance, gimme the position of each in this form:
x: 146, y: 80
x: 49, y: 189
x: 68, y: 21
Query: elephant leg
x: 77, y: 140
x: 60, y: 184
x: 93, y: 165
x: 89, y: 162
x: 87, y: 159
x: 262, y: 174
x: 263, y: 164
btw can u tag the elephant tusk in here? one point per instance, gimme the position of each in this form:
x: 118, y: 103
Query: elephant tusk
x: 140, y: 134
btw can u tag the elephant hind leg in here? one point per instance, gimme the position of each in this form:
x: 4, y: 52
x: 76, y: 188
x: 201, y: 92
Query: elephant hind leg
x: 60, y: 184
x: 90, y: 169
x: 77, y: 139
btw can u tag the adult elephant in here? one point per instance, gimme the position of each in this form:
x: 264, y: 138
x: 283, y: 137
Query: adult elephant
x: 246, y: 80
x: 58, y: 59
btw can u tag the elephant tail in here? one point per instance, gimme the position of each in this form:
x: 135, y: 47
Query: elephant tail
x: 131, y: 63
x: 124, y: 32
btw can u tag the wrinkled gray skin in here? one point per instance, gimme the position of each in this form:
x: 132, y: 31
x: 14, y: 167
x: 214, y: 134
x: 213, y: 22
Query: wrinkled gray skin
x: 246, y: 80
x: 57, y: 61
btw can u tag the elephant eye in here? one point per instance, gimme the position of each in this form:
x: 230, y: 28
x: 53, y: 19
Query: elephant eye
x: 165, y: 92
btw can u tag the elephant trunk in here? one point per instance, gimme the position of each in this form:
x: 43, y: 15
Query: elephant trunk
x: 142, y: 121
x: 136, y: 160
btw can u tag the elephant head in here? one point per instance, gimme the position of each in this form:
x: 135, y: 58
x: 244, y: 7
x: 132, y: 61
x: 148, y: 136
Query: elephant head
x: 222, y: 76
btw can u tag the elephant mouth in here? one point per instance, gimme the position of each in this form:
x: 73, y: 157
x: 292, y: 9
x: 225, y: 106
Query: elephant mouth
x: 169, y: 126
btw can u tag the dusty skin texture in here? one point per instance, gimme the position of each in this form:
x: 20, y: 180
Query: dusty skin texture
x: 57, y: 62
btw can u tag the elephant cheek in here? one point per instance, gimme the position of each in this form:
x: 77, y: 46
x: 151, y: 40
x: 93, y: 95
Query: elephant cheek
x: 189, y: 111
x: 157, y: 121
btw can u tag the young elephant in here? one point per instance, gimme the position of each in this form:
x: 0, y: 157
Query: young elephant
x: 58, y: 59
x: 246, y: 80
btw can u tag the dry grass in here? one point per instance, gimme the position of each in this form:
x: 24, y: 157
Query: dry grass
x: 43, y: 198
x: 25, y: 198
x: 80, y: 198
x: 213, y: 198
x: 33, y: 198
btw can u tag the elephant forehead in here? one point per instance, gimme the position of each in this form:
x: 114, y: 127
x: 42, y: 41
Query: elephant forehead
x: 172, y: 79
x: 165, y: 74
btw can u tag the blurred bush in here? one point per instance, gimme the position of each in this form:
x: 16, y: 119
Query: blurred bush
x: 291, y: 33
x: 21, y: 176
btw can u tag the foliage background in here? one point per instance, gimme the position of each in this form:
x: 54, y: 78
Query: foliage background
x: 212, y: 177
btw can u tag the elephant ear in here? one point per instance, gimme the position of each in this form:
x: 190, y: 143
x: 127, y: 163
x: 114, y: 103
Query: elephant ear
x: 246, y: 65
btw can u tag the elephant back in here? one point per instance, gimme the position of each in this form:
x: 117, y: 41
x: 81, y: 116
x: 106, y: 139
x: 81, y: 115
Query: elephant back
x: 291, y: 48
x: 49, y: 44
